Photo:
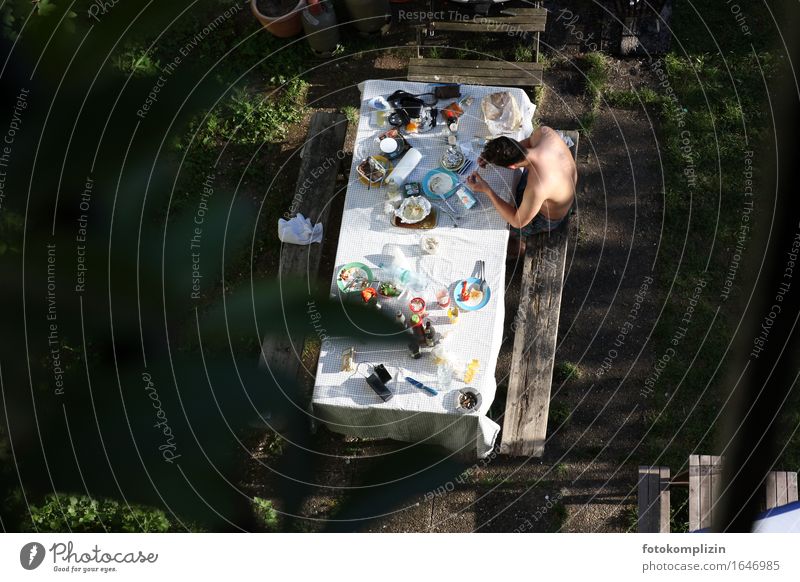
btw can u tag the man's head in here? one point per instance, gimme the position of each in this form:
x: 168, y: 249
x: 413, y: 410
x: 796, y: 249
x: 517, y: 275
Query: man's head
x: 503, y: 151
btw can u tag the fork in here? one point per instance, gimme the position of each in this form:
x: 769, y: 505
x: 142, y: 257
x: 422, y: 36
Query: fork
x: 453, y: 210
x: 482, y: 270
x: 452, y: 216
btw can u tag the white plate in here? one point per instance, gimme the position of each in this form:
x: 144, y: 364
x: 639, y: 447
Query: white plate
x: 440, y: 184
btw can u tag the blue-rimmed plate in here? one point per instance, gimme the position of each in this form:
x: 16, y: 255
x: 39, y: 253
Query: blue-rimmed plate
x: 478, y: 299
x: 354, y: 277
x: 439, y: 184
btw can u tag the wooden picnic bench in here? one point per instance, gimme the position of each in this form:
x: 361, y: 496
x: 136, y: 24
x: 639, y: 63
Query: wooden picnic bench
x: 531, y: 375
x: 704, y: 479
x: 654, y: 499
x: 316, y: 187
x: 530, y: 21
x: 781, y: 488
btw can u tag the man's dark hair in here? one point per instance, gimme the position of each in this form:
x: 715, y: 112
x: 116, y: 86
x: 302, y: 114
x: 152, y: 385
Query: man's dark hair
x: 503, y: 151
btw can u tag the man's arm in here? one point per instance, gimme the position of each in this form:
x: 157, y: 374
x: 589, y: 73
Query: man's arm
x: 516, y: 217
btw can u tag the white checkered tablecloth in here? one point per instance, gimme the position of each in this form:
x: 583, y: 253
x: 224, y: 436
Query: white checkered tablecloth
x: 342, y: 400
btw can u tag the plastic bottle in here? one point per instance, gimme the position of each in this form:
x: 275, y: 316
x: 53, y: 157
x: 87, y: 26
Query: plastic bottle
x: 368, y: 16
x: 452, y: 314
x: 398, y: 270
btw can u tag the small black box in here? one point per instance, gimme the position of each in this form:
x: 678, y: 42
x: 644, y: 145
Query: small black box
x: 383, y: 373
x: 379, y: 387
x: 448, y: 91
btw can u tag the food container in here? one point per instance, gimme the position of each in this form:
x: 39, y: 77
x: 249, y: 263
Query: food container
x: 390, y: 147
x: 405, y: 166
x: 417, y: 306
x: 429, y: 245
x: 380, y: 103
x: 414, y: 209
x: 466, y: 197
x: 412, y: 189
x: 373, y: 170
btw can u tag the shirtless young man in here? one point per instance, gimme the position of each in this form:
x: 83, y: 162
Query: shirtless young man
x: 545, y: 192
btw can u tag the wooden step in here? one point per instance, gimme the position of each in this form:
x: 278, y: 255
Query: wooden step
x: 498, y: 25
x: 475, y: 72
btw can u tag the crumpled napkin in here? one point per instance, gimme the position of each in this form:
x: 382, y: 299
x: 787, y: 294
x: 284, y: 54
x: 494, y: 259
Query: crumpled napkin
x: 299, y: 230
x: 566, y: 139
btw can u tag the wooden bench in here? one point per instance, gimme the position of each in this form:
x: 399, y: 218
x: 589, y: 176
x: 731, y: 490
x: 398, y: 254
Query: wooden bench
x: 482, y: 72
x: 704, y: 479
x: 531, y: 375
x: 654, y: 499
x: 316, y: 186
x: 781, y: 488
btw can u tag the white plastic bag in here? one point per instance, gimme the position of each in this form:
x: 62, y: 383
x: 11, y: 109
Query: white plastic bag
x: 501, y: 113
x: 299, y: 231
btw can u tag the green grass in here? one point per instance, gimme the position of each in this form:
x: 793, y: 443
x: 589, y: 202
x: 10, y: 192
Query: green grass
x: 351, y: 113
x: 632, y: 99
x: 250, y: 117
x: 596, y: 76
x: 559, y: 414
x: 630, y: 518
x: 586, y: 121
x: 265, y: 513
x: 523, y: 53
x: 136, y: 61
x: 434, y: 52
x: 595, y: 70
x: 564, y: 371
x: 712, y: 107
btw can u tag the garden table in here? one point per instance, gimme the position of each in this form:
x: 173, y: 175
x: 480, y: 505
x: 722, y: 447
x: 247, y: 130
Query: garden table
x: 342, y: 400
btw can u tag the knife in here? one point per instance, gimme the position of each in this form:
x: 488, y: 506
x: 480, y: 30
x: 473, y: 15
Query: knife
x: 422, y: 386
x: 452, y: 216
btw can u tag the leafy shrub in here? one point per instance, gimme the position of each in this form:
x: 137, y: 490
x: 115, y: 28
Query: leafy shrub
x: 251, y: 118
x: 78, y: 513
x: 265, y: 513
x: 11, y: 226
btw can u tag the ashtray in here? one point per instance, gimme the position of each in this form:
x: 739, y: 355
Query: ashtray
x: 468, y: 400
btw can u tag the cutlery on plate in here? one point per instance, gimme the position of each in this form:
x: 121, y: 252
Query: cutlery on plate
x: 353, y: 282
